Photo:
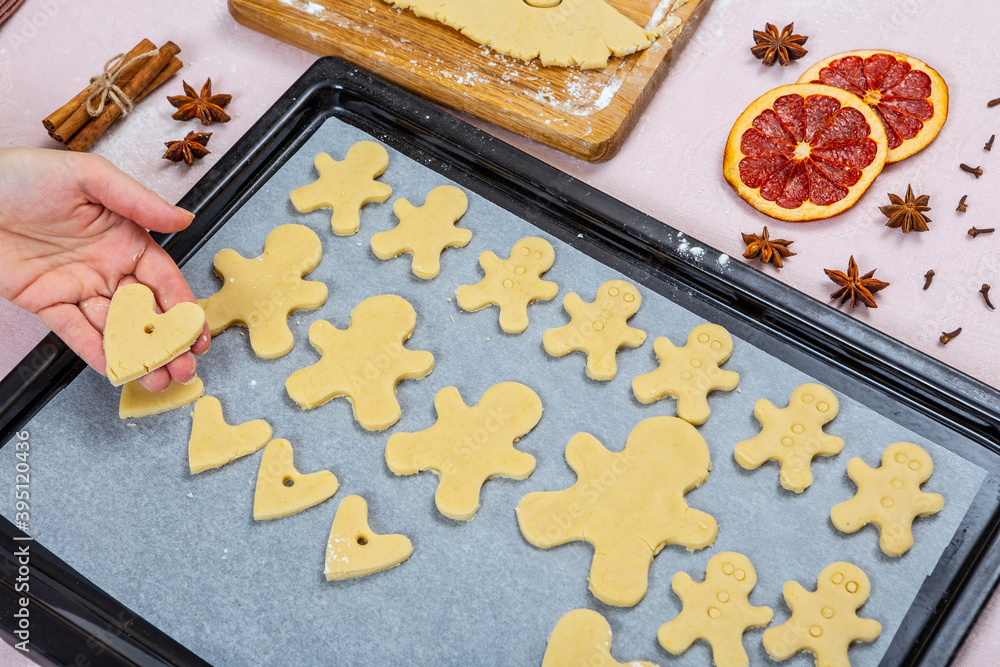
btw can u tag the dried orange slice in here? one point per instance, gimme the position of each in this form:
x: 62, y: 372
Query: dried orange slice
x: 804, y: 152
x: 910, y: 98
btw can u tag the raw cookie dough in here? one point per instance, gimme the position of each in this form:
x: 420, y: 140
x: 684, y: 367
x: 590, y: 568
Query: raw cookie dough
x: 889, y: 496
x: 824, y: 622
x: 467, y: 446
x: 628, y: 505
x: 138, y: 340
x: 137, y: 401
x: 793, y: 436
x: 425, y: 231
x: 599, y: 328
x: 353, y: 550
x: 260, y: 293
x: 689, y: 373
x: 581, y: 33
x: 716, y: 610
x: 215, y: 443
x: 346, y: 186
x: 583, y: 637
x: 282, y: 490
x: 512, y: 283
x: 364, y: 362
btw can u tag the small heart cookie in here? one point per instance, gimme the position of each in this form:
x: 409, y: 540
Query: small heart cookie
x: 214, y: 443
x: 353, y: 550
x: 282, y: 490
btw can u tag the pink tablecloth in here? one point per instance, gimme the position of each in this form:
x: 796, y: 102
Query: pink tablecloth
x: 669, y: 167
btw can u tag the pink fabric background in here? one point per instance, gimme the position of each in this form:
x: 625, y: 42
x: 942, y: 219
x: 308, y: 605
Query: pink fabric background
x: 670, y: 166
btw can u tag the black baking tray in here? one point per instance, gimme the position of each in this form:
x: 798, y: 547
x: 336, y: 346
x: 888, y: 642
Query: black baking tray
x: 75, y: 622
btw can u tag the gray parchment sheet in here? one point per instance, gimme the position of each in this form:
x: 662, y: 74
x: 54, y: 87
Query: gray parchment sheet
x: 116, y: 501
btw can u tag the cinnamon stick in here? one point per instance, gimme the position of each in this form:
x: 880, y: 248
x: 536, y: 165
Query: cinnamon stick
x: 152, y: 67
x: 60, y: 116
x: 172, y: 68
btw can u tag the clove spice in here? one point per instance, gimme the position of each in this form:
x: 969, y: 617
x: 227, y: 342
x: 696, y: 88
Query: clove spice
x: 993, y: 103
x: 976, y: 232
x: 928, y: 277
x: 975, y: 171
x: 945, y: 337
x: 985, y: 291
x: 961, y: 204
x: 989, y: 144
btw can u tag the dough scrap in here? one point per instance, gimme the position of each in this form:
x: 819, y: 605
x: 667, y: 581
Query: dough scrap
x: 599, y: 328
x: 353, y: 550
x: 425, y: 231
x: 716, y: 610
x: 513, y: 283
x: 889, y: 496
x: 282, y: 490
x: 689, y: 373
x: 581, y: 33
x: 137, y: 401
x: 793, y: 436
x: 824, y: 622
x: 364, y: 362
x: 261, y: 293
x: 468, y: 445
x: 628, y: 505
x: 214, y: 443
x: 138, y: 340
x: 583, y: 637
x: 346, y: 186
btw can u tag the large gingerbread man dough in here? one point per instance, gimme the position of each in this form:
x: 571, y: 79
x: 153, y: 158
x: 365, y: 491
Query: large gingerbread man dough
x: 363, y: 362
x: 628, y: 505
x: 889, y: 496
x: 581, y: 638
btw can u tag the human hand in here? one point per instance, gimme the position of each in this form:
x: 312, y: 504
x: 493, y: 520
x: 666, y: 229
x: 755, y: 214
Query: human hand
x: 72, y: 230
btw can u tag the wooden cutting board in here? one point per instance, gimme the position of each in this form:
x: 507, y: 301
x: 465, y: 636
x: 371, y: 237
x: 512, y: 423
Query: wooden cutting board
x: 585, y: 113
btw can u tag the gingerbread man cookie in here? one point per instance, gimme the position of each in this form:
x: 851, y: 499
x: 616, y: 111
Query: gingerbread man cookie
x: 793, y: 436
x: 628, y: 505
x: 215, y: 443
x: 716, y: 610
x: 513, y: 283
x: 353, y: 550
x: 824, y: 622
x: 261, y: 293
x: 346, y: 186
x: 138, y: 340
x: 282, y: 490
x: 137, y: 401
x: 363, y: 362
x: 689, y: 373
x: 599, y: 328
x: 467, y: 446
x: 583, y: 637
x: 425, y: 231
x: 889, y: 496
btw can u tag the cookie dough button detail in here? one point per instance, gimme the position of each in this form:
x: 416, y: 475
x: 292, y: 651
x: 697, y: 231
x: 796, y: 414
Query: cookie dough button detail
x: 353, y: 550
x: 282, y: 490
x: 582, y: 637
x: 215, y: 443
x: 137, y: 401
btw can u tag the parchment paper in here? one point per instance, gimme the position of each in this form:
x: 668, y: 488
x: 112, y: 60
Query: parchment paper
x: 116, y: 501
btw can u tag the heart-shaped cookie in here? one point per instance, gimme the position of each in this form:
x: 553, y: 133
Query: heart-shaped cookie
x: 215, y: 443
x: 282, y: 490
x: 353, y: 550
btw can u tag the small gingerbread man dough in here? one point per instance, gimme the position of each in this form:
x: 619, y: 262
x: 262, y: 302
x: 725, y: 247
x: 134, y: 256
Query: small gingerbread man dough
x: 138, y: 340
x: 716, y: 610
x: 261, y: 293
x: 282, y: 490
x: 628, y: 505
x: 215, y: 443
x: 513, y: 283
x: 137, y: 401
x: 689, y: 373
x: 467, y: 446
x: 346, y: 186
x: 824, y: 622
x: 353, y: 550
x: 889, y: 496
x: 364, y: 362
x: 599, y: 328
x: 425, y: 231
x: 793, y: 436
x: 583, y: 637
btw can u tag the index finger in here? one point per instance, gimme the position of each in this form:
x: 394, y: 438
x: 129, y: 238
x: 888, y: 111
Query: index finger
x: 156, y: 269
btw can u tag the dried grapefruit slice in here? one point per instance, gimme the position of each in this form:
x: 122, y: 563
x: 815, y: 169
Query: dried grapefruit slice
x: 910, y: 98
x: 804, y: 152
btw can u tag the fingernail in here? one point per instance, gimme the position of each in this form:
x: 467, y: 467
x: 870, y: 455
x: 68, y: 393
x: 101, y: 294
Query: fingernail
x: 185, y: 212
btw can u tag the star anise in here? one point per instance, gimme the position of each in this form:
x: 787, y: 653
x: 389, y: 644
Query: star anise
x: 854, y: 288
x: 192, y: 147
x: 785, y: 47
x: 205, y: 107
x: 907, y: 214
x: 768, y: 249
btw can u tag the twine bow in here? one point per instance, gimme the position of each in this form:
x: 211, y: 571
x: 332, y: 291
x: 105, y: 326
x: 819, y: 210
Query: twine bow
x: 105, y: 87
